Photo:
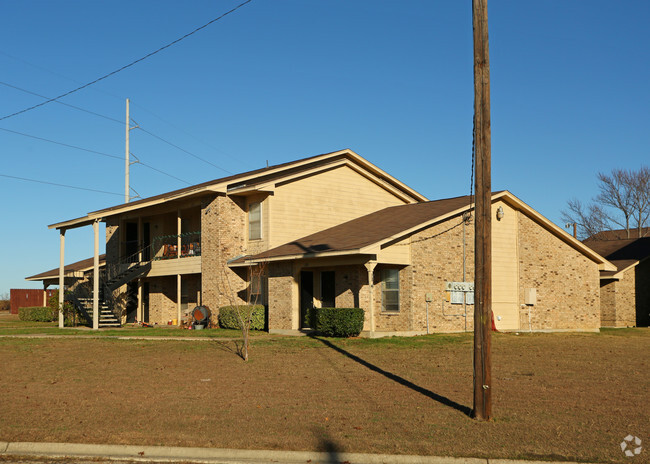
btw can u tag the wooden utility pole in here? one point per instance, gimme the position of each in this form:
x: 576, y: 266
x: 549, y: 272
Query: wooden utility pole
x: 483, y: 240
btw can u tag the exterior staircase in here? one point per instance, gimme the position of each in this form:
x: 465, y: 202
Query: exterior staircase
x: 131, y: 272
x: 106, y: 316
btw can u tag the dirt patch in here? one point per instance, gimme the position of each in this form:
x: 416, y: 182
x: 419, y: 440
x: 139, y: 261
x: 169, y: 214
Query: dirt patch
x: 556, y: 396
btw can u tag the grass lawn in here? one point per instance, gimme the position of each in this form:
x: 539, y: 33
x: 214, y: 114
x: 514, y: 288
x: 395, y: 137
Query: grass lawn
x: 556, y: 396
x: 10, y: 324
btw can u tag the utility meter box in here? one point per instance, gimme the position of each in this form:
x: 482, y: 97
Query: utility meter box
x: 530, y: 296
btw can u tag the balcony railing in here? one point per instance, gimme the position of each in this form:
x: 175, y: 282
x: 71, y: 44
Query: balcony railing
x: 167, y: 246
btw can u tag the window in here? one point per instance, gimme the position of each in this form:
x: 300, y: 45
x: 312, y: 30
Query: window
x: 255, y: 221
x: 327, y: 289
x: 390, y: 290
x: 257, y: 293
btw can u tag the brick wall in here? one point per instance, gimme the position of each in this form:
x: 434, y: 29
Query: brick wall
x: 567, y: 282
x: 437, y: 258
x: 223, y: 221
x: 643, y: 293
x: 281, y: 289
x: 608, y: 303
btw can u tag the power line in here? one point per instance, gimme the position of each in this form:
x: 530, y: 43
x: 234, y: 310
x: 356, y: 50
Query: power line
x: 92, y: 151
x: 110, y: 119
x: 62, y: 103
x: 237, y: 158
x: 183, y: 150
x: 126, y: 66
x: 62, y: 144
x: 58, y: 185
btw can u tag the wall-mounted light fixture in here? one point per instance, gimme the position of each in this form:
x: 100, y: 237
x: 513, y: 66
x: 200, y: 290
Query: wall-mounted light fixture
x: 500, y: 213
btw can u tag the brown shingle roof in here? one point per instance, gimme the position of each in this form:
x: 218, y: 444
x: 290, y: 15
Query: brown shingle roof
x: 620, y: 252
x: 74, y: 267
x: 366, y: 230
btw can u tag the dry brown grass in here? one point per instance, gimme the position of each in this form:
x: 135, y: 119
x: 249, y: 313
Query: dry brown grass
x: 556, y: 396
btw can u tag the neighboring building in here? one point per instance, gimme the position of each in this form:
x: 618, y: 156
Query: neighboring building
x: 415, y: 256
x: 168, y: 253
x: 316, y: 231
x: 26, y: 297
x: 624, y: 292
x: 81, y: 271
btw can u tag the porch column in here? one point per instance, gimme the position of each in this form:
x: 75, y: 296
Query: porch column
x: 61, y: 275
x: 370, y: 266
x: 178, y: 298
x: 139, y: 310
x: 96, y: 276
x: 178, y: 234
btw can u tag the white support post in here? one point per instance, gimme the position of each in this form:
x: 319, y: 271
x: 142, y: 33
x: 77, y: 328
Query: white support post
x: 139, y: 310
x: 96, y: 275
x: 178, y: 299
x: 178, y: 233
x: 370, y: 266
x: 61, y: 275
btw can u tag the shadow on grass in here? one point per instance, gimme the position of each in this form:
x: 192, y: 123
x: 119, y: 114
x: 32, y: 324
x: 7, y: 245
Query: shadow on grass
x: 396, y: 378
x: 327, y: 445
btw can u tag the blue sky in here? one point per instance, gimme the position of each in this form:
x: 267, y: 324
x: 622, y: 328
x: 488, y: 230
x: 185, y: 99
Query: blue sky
x: 281, y: 80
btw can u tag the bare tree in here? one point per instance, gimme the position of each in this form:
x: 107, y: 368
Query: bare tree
x: 589, y: 218
x: 244, y: 312
x: 640, y: 186
x: 623, y: 201
x: 616, y: 193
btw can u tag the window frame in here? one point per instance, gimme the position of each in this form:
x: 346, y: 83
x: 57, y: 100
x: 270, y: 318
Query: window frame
x: 258, y: 221
x: 385, y: 290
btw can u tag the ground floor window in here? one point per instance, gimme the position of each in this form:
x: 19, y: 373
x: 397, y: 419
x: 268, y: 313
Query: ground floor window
x: 327, y: 289
x: 390, y: 290
x: 257, y: 293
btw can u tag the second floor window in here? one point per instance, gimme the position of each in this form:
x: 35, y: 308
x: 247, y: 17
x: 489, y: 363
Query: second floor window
x: 255, y: 221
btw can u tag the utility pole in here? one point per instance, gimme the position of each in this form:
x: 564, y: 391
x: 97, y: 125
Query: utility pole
x: 482, y: 236
x: 127, y: 163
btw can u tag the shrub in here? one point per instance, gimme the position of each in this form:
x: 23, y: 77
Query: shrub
x: 5, y: 305
x: 71, y: 315
x: 228, y: 317
x: 36, y: 314
x: 336, y: 322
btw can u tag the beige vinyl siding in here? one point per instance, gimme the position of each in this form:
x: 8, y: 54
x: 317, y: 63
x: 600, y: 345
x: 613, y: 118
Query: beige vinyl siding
x: 505, y: 267
x: 188, y: 265
x: 316, y: 202
x: 397, y: 253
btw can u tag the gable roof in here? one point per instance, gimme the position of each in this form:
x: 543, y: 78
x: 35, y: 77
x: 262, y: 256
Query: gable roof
x: 621, y: 252
x: 394, y: 223
x: 259, y: 179
x: 75, y: 268
x: 619, y: 234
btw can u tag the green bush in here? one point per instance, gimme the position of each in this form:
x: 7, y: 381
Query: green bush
x: 228, y: 317
x: 36, y: 314
x: 71, y: 316
x: 336, y: 322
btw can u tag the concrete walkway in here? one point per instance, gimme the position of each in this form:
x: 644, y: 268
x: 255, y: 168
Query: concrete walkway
x: 77, y: 451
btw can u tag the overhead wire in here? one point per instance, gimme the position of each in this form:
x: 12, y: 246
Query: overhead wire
x: 105, y: 76
x: 236, y: 158
x: 92, y: 151
x: 59, y: 185
x: 61, y: 103
x: 110, y: 119
x: 183, y: 150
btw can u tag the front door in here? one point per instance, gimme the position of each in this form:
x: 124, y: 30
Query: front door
x: 306, y: 296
